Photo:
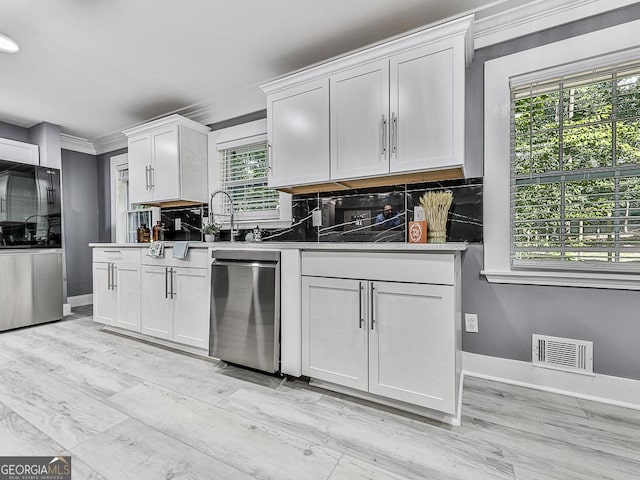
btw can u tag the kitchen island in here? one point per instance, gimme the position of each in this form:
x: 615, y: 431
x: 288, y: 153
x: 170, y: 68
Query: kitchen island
x: 381, y: 321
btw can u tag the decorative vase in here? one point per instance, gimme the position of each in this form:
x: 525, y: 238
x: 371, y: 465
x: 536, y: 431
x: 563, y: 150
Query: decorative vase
x: 209, y: 238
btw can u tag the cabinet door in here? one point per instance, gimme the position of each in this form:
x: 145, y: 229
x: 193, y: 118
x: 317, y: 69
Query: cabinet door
x: 104, y: 297
x: 298, y: 132
x: 191, y: 309
x: 127, y: 288
x: 165, y: 173
x: 139, y: 165
x: 412, y: 344
x: 424, y: 109
x: 157, y: 308
x: 334, y: 331
x: 360, y: 121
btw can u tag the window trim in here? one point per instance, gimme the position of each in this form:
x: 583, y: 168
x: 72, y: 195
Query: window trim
x: 117, y: 163
x: 609, y: 45
x: 235, y: 136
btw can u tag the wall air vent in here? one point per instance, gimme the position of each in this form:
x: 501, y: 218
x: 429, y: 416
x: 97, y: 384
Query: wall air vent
x: 562, y: 354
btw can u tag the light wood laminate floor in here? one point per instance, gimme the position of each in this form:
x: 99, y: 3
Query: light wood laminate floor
x: 124, y: 409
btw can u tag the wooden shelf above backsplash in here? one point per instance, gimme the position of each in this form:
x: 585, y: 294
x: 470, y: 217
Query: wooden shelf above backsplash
x: 384, y: 181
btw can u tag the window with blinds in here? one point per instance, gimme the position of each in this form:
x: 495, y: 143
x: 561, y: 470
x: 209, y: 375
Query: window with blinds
x: 244, y: 176
x: 575, y: 171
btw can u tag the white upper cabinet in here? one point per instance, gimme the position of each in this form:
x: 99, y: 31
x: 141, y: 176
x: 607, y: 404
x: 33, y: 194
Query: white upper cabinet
x: 19, y: 152
x: 396, y: 108
x: 427, y: 108
x: 298, y: 134
x: 168, y: 161
x: 360, y: 121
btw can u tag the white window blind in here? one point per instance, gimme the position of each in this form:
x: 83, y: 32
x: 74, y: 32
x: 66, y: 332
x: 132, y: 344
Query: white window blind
x: 575, y: 171
x: 244, y: 176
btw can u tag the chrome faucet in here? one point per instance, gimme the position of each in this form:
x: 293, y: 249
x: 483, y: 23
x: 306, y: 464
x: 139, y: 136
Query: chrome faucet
x: 231, y: 211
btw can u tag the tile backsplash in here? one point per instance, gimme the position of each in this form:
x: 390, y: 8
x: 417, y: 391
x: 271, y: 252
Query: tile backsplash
x: 354, y: 215
x: 358, y: 215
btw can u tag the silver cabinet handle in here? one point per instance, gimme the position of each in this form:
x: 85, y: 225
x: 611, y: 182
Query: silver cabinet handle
x: 394, y: 133
x: 171, y: 273
x: 361, y: 319
x: 1, y: 205
x: 108, y: 276
x: 384, y: 135
x: 268, y: 157
x: 152, y: 174
x: 146, y: 176
x: 114, y: 284
x: 166, y: 282
x: 373, y: 321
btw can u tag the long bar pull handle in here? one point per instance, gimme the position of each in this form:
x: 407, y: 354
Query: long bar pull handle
x: 373, y: 321
x: 152, y: 174
x: 146, y: 176
x: 384, y: 135
x: 108, y: 276
x: 171, y: 273
x: 394, y: 133
x: 114, y: 272
x: 166, y: 282
x: 268, y: 157
x: 361, y: 319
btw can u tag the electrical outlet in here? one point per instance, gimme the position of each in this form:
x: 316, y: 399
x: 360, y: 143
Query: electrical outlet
x: 177, y: 224
x: 471, y: 322
x: 316, y: 217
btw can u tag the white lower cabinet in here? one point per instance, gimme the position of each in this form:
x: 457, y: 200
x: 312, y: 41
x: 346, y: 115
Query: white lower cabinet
x: 176, y: 304
x: 116, y: 290
x: 335, y: 338
x: 391, y: 339
x: 191, y: 307
x: 165, y: 298
x: 412, y: 344
x: 384, y: 326
x: 104, y: 298
x: 157, y: 314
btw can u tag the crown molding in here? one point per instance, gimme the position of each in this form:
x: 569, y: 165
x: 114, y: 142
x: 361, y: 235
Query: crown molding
x: 110, y: 142
x: 76, y: 144
x: 536, y: 16
x: 173, y: 119
x: 461, y: 28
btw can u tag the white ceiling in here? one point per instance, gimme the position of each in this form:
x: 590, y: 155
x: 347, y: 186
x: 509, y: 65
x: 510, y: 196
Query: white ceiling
x: 95, y: 67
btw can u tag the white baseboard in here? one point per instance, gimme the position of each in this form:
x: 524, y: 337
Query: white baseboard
x: 66, y: 309
x: 623, y: 392
x: 80, y: 300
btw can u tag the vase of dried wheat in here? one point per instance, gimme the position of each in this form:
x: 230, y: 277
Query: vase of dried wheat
x: 436, y: 207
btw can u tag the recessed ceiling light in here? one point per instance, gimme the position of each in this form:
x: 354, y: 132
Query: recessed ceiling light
x: 8, y: 45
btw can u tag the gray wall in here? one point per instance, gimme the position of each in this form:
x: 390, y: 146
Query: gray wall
x: 79, y: 176
x: 13, y: 132
x: 509, y: 314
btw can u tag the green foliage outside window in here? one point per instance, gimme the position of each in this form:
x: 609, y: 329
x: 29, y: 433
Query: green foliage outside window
x: 576, y: 169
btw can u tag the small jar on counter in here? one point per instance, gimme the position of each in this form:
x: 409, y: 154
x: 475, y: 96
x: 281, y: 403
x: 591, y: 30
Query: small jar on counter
x: 158, y: 232
x: 143, y: 234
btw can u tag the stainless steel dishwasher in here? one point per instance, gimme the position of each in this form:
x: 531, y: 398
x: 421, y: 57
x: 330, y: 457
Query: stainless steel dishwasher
x: 245, y: 308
